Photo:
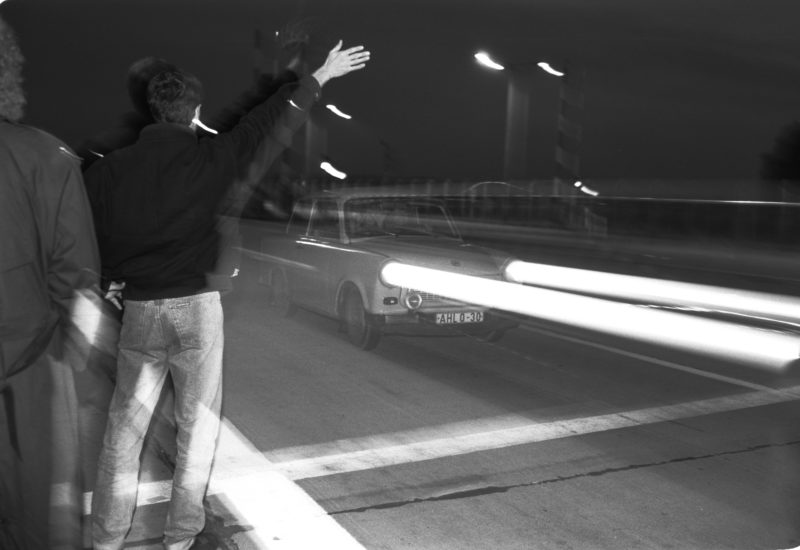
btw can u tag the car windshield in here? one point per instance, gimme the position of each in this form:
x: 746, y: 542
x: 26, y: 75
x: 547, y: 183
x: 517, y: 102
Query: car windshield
x: 396, y: 216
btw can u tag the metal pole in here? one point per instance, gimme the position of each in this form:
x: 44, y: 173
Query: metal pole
x: 515, y: 161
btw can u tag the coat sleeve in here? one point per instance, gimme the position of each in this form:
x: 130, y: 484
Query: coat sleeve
x: 263, y: 133
x: 73, y: 262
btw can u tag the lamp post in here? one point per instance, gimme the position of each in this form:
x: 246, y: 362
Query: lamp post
x: 515, y: 156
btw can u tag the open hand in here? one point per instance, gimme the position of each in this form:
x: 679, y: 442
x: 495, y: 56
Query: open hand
x: 341, y: 62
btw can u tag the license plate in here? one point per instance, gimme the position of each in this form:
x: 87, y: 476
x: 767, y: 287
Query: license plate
x: 459, y: 317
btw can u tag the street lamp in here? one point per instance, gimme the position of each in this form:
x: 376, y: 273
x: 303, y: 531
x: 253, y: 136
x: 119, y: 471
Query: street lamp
x: 515, y: 159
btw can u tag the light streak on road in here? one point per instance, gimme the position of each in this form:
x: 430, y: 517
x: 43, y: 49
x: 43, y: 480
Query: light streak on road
x: 758, y: 305
x: 735, y: 342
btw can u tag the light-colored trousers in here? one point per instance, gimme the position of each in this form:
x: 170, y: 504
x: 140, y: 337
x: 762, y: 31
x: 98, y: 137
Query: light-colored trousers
x: 182, y: 337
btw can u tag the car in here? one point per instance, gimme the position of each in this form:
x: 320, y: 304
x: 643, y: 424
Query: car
x: 330, y: 258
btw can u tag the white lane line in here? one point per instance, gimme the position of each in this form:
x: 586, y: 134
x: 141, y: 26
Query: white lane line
x: 279, y: 515
x: 654, y: 360
x: 283, y: 516
x: 375, y: 453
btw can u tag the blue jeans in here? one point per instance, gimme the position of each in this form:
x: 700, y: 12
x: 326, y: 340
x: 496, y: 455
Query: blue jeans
x: 182, y: 337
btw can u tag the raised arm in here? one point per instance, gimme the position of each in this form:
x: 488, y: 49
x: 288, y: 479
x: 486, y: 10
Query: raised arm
x: 268, y: 128
x: 341, y: 62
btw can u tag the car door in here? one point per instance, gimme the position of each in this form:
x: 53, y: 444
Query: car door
x: 316, y: 252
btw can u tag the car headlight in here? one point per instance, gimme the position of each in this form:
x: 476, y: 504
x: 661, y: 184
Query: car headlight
x: 381, y: 277
x: 511, y: 271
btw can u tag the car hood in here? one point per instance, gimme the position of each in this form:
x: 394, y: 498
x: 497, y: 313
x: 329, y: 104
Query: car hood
x: 439, y: 253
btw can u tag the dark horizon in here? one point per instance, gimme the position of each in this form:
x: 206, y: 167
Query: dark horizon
x: 672, y: 91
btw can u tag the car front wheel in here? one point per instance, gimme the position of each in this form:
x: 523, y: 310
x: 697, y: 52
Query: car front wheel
x: 362, y: 331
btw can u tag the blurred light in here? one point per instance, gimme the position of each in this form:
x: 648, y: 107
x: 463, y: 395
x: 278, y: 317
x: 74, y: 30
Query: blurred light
x: 69, y: 153
x: 548, y: 69
x: 199, y: 123
x: 328, y: 167
x: 86, y: 315
x: 577, y: 184
x: 663, y: 328
x: 335, y: 110
x: 588, y: 191
x: 484, y: 59
x: 657, y: 291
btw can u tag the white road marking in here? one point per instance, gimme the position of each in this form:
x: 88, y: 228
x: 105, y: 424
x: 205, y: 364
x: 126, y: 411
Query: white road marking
x: 373, y: 452
x: 282, y: 516
x: 654, y: 360
x: 261, y: 488
x: 279, y: 515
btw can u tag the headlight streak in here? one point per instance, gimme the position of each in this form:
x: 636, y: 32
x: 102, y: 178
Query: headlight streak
x: 758, y: 305
x: 736, y: 342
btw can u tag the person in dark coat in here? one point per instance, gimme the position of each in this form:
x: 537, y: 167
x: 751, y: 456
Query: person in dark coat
x: 48, y: 287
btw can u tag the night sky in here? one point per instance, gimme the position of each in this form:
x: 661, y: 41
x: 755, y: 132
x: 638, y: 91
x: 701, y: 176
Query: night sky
x: 675, y: 89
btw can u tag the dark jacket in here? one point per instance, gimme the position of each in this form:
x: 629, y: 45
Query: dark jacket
x: 47, y: 244
x: 47, y: 253
x: 156, y: 202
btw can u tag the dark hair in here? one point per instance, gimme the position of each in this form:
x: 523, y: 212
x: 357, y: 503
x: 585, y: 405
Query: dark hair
x: 140, y: 73
x: 12, y: 97
x: 173, y: 96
